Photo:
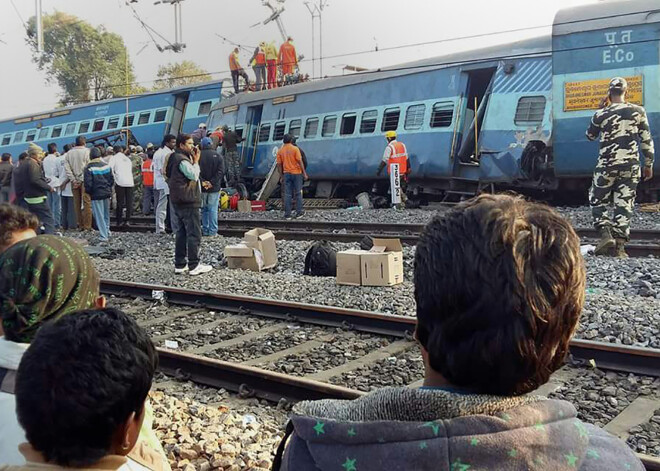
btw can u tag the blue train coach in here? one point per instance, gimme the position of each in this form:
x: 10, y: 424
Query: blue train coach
x: 148, y: 116
x: 508, y: 116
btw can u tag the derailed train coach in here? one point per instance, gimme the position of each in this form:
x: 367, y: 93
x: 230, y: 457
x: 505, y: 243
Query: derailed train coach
x: 510, y: 116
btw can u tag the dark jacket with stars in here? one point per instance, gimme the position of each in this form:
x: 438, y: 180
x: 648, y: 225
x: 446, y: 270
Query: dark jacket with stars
x: 416, y: 429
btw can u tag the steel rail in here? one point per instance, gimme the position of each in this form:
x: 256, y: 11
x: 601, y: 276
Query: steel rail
x: 616, y: 357
x: 247, y: 381
x: 365, y: 321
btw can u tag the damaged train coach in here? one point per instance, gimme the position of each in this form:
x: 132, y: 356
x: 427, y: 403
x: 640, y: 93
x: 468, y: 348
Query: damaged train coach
x: 506, y: 116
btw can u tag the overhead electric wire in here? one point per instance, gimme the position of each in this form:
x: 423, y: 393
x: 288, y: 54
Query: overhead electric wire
x: 412, y: 67
x: 149, y: 29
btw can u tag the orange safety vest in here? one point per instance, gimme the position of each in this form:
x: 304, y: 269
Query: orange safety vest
x: 260, y: 58
x: 233, y: 61
x: 147, y: 173
x: 399, y: 156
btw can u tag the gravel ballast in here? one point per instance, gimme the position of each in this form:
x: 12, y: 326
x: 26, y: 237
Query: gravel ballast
x: 622, y: 301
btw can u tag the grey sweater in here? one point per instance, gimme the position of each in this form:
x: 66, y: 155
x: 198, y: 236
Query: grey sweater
x: 416, y: 429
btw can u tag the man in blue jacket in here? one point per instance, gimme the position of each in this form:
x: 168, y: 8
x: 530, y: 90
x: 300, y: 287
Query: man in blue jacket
x: 98, y: 184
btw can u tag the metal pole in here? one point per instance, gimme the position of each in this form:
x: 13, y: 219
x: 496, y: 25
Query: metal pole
x: 321, y: 37
x: 40, y: 26
x: 128, y: 124
x: 313, y: 50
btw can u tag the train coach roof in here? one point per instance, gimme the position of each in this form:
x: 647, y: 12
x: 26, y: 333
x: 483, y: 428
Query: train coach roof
x: 605, y: 14
x: 524, y: 48
x: 175, y: 90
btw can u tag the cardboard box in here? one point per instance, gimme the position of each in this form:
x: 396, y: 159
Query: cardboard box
x: 244, y: 206
x: 242, y: 256
x: 264, y: 241
x: 380, y: 266
x: 348, y: 267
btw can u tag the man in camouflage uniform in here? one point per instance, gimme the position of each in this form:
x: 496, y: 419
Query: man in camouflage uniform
x: 622, y: 127
x: 136, y: 167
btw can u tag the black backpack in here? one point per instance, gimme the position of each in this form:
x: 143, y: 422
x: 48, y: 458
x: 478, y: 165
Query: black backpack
x: 321, y: 260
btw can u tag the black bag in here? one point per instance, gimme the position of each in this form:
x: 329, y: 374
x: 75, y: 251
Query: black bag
x: 321, y: 260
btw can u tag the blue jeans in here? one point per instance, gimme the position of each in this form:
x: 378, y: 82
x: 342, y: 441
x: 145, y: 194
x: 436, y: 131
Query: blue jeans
x: 55, y: 203
x: 101, y: 212
x: 210, y: 213
x: 293, y: 187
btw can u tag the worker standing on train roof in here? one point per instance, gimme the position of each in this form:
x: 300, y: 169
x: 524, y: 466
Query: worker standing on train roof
x: 396, y: 154
x: 271, y: 63
x: 622, y: 127
x: 237, y: 70
x: 288, y: 58
x: 258, y: 62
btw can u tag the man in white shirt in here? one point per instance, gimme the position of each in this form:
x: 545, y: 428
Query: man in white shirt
x: 77, y: 159
x: 161, y: 190
x: 52, y: 168
x: 122, y: 171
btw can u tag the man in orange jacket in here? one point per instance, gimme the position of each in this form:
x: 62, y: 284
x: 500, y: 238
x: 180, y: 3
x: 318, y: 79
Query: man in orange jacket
x: 396, y: 153
x: 288, y: 57
x: 237, y: 70
x: 271, y: 63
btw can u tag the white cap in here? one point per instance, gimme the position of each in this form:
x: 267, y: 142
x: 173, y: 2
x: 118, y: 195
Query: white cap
x: 202, y: 125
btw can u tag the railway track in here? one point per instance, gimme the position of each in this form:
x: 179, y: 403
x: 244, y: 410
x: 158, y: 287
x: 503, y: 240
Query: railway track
x: 645, y: 242
x: 258, y: 320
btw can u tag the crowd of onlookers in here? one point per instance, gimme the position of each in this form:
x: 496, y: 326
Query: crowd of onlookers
x: 499, y: 288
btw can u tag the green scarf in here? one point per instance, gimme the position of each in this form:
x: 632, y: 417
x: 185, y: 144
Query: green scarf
x: 42, y: 279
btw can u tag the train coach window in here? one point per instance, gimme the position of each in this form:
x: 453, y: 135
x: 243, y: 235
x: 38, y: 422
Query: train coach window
x: 128, y: 120
x: 368, y: 124
x: 278, y: 133
x: 43, y: 133
x: 160, y: 115
x: 442, y: 115
x: 113, y: 123
x: 264, y: 133
x: 530, y: 110
x: 347, y: 124
x: 391, y: 119
x: 204, y: 108
x: 57, y: 131
x: 98, y: 125
x: 239, y: 132
x: 18, y: 137
x: 6, y: 139
x: 70, y: 129
x: 31, y: 135
x: 144, y: 118
x: 294, y: 127
x: 414, y: 117
x: 311, y: 127
x: 84, y: 127
x: 329, y: 126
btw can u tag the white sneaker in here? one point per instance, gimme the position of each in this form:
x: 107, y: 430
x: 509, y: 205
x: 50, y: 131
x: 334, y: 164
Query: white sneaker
x: 180, y: 271
x: 199, y: 269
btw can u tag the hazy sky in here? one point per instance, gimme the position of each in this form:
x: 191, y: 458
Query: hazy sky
x: 348, y: 26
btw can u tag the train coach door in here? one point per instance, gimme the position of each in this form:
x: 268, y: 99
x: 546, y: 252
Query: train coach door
x: 473, y: 110
x: 180, y: 103
x: 252, y: 125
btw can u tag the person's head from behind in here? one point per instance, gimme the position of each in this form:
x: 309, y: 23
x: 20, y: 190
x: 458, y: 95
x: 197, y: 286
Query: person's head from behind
x: 66, y: 148
x: 52, y: 148
x: 118, y: 149
x: 169, y: 141
x: 6, y: 157
x: 81, y: 387
x: 617, y: 89
x: 499, y: 285
x: 22, y: 156
x: 287, y: 139
x: 81, y: 141
x: 35, y: 152
x: 206, y: 143
x: 43, y: 279
x: 16, y: 224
